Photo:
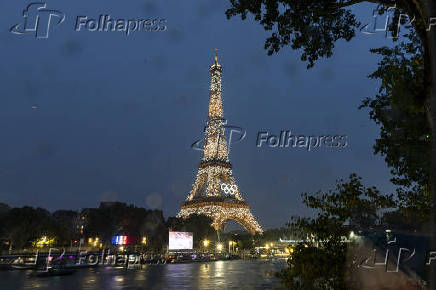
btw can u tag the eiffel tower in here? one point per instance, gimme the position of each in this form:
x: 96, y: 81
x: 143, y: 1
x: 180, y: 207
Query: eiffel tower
x: 214, y: 192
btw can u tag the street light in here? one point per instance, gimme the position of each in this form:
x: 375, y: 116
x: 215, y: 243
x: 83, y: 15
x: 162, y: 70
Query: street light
x: 205, y: 245
x: 231, y: 245
x: 95, y: 242
x: 219, y: 247
x: 44, y: 241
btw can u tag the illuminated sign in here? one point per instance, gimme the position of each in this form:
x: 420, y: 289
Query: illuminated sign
x: 180, y: 241
x: 124, y: 240
x: 229, y: 188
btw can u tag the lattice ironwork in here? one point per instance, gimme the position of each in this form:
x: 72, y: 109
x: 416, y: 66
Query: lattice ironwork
x: 215, y: 192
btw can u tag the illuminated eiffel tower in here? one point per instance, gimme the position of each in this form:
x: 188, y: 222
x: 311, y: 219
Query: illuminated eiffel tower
x: 214, y: 192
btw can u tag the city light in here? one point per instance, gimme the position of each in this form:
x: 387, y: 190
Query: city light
x: 205, y: 243
x: 232, y: 246
x: 120, y: 240
x: 44, y: 241
x: 144, y: 240
x: 219, y: 247
x: 93, y: 241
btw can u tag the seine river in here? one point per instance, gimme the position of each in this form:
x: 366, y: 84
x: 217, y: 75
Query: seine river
x: 236, y: 274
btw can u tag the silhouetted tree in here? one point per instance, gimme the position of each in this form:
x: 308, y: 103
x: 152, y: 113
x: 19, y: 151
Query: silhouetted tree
x: 121, y: 219
x: 65, y: 221
x: 401, y: 107
x: 321, y: 262
x: 407, y: 99
x: 405, y: 133
x: 27, y: 224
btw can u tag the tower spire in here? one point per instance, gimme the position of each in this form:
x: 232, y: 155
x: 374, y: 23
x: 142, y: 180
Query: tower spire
x: 215, y: 65
x: 216, y: 56
x: 215, y: 147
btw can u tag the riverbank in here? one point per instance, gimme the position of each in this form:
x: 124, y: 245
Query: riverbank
x: 106, y: 258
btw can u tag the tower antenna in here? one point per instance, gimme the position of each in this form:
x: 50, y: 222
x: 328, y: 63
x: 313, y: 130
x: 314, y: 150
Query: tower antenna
x: 216, y: 55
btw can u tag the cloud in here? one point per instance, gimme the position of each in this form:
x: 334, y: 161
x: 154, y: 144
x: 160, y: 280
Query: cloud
x: 327, y: 73
x: 184, y: 100
x: 71, y: 47
x: 179, y: 188
x: 284, y: 180
x: 291, y: 68
x: 176, y: 35
x: 154, y: 201
x: 109, y: 195
x: 150, y: 7
x: 158, y: 62
x: 207, y: 8
x: 45, y: 150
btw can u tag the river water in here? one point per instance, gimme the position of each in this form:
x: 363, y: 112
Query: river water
x: 236, y: 274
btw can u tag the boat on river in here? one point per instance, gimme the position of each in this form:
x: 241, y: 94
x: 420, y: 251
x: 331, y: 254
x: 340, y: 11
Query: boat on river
x: 55, y: 271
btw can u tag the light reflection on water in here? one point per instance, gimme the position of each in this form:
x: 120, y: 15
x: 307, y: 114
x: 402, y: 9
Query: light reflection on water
x: 214, y: 275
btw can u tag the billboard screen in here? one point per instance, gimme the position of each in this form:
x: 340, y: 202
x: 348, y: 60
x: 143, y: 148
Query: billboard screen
x: 180, y: 241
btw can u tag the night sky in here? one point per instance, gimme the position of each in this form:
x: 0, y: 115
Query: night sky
x: 114, y: 116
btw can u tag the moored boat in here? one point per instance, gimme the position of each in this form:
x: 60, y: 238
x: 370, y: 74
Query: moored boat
x: 54, y: 272
x: 22, y: 266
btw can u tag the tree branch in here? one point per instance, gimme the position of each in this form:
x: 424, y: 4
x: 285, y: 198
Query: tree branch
x: 353, y: 2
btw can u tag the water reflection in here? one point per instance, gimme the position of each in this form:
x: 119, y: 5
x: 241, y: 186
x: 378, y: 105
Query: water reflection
x: 214, y: 275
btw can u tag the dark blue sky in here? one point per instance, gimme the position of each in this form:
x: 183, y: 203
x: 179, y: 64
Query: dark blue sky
x: 117, y: 114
